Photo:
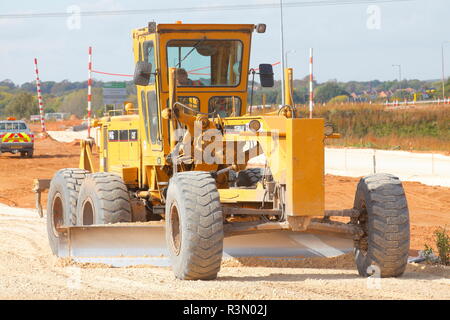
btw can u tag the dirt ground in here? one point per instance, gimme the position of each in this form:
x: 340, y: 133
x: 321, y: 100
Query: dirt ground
x: 29, y: 271
x: 429, y: 206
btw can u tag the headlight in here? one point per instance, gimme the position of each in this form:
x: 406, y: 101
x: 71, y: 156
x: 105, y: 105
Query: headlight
x: 254, y: 125
x: 329, y: 130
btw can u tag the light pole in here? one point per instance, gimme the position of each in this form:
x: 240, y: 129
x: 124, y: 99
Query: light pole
x: 282, y: 53
x: 286, y: 56
x: 443, y: 71
x: 400, y: 74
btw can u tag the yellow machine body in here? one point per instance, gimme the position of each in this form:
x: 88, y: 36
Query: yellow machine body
x: 136, y: 145
x: 192, y: 166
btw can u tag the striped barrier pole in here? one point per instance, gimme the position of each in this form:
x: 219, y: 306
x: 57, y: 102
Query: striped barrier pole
x: 89, y: 107
x: 39, y: 93
x: 311, y: 84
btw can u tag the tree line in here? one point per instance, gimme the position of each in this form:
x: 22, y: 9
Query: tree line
x: 66, y: 96
x: 20, y: 101
x: 353, y: 91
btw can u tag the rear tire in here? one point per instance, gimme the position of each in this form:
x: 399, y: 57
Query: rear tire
x: 384, y: 217
x: 103, y: 199
x: 194, y: 226
x: 249, y: 177
x: 29, y: 154
x: 62, y: 202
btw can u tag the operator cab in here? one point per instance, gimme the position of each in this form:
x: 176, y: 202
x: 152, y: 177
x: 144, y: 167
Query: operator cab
x: 211, y: 63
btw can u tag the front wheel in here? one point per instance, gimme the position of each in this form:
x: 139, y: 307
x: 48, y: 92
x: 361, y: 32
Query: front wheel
x: 61, y: 203
x: 384, y: 218
x: 103, y: 199
x: 194, y: 226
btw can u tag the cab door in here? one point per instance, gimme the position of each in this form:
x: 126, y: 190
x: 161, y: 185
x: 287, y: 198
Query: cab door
x: 148, y: 97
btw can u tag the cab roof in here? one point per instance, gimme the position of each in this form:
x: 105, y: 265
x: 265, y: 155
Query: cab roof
x: 181, y: 27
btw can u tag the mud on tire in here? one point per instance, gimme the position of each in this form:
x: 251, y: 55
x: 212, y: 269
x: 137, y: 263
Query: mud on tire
x: 62, y: 202
x: 103, y: 199
x: 384, y: 217
x: 194, y: 226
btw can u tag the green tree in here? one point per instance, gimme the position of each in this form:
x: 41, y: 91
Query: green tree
x: 339, y: 99
x: 76, y: 102
x: 22, y: 105
x: 327, y: 91
x: 52, y: 103
x: 5, y: 98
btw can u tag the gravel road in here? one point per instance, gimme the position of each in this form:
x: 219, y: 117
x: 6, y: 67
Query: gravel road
x: 29, y: 271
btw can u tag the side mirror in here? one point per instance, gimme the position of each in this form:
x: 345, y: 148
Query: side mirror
x: 142, y: 73
x: 266, y: 75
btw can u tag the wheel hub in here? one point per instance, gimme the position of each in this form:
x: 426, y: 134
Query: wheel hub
x: 175, y: 229
x: 58, y: 214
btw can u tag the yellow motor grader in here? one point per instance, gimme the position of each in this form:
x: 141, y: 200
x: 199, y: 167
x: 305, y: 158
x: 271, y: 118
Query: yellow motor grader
x: 187, y: 154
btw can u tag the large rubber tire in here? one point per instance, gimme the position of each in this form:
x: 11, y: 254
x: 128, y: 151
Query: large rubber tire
x: 62, y: 203
x: 103, y: 199
x: 194, y: 226
x: 249, y: 177
x: 384, y: 217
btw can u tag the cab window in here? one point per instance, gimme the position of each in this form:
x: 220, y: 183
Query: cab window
x: 154, y: 117
x: 149, y: 56
x: 145, y: 115
x: 225, y: 106
x: 202, y: 62
x: 191, y: 102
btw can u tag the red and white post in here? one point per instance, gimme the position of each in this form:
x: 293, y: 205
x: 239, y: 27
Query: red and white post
x: 311, y: 83
x: 89, y: 107
x: 39, y: 93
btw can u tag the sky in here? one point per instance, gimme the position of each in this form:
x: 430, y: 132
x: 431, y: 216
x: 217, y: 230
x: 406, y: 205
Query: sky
x: 358, y: 42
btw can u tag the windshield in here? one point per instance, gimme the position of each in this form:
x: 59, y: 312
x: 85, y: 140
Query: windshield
x: 206, y: 62
x: 4, y: 126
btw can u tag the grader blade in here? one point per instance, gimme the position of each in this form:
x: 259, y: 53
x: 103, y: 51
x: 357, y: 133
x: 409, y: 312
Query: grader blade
x: 115, y: 245
x: 121, y: 246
